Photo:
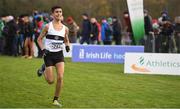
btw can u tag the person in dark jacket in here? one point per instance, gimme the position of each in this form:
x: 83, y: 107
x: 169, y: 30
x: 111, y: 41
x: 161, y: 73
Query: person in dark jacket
x: 147, y: 41
x: 86, y: 29
x: 21, y: 34
x: 94, y: 31
x: 147, y: 22
x: 177, y: 33
x: 166, y: 36
x: 39, y: 23
x: 116, y: 31
x: 11, y: 29
x: 28, y: 34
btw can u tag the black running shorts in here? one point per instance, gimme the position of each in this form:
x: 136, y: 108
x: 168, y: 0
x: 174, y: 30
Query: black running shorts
x: 52, y: 58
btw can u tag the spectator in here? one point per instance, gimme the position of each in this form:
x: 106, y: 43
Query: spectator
x: 126, y: 39
x: 156, y: 31
x: 1, y: 36
x: 164, y: 17
x: 116, y: 31
x: 21, y: 34
x: 94, y: 31
x: 39, y: 25
x: 166, y: 32
x: 147, y: 23
x: 106, y: 32
x: 10, y: 31
x: 166, y: 37
x: 99, y: 34
x: 16, y: 41
x: 46, y: 20
x: 128, y: 26
x: 73, y: 29
x: 177, y: 33
x: 86, y: 29
x: 28, y: 45
x: 147, y: 41
x: 109, y: 30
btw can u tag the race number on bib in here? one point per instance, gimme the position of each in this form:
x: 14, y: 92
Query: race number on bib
x: 56, y: 45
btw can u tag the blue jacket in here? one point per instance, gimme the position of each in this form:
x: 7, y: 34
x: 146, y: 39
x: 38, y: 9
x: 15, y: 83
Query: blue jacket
x: 106, y: 32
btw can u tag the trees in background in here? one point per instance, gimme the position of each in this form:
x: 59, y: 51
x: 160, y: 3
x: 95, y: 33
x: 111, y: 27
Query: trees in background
x: 97, y: 8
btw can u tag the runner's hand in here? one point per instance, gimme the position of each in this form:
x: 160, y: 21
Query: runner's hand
x: 45, y: 52
x: 67, y: 48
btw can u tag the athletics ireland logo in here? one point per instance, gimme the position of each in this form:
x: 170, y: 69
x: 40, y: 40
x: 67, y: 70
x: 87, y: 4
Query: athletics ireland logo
x: 140, y: 66
x: 141, y: 60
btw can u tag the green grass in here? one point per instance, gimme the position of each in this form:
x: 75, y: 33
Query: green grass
x: 86, y: 85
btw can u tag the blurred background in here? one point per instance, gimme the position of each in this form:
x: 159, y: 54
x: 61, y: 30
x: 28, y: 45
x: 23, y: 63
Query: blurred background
x: 96, y: 8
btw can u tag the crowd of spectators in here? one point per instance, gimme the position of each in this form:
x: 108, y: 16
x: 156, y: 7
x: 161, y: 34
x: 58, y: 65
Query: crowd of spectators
x: 18, y: 35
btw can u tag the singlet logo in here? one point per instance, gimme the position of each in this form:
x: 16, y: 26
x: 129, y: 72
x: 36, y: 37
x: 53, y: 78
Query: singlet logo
x: 56, y: 37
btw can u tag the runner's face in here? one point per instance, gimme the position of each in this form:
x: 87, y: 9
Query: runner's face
x: 57, y: 14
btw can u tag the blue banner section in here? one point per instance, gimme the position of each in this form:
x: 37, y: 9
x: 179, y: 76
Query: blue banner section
x: 102, y: 53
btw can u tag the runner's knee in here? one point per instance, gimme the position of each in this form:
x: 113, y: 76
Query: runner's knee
x: 60, y: 77
x: 50, y: 81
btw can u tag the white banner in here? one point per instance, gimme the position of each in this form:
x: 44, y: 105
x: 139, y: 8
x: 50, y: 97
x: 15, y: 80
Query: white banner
x: 136, y: 13
x: 151, y: 63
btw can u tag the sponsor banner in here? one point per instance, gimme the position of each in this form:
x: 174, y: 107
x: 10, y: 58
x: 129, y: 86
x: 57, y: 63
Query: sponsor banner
x: 136, y: 13
x: 151, y: 63
x: 102, y: 53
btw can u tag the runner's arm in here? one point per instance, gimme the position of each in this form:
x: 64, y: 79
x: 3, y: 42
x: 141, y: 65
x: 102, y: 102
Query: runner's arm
x: 66, y: 39
x: 41, y: 36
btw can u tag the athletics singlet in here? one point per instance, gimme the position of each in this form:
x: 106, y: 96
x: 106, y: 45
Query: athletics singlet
x: 54, y: 39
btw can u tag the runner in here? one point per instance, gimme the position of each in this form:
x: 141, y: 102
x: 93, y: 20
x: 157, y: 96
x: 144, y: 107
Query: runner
x: 56, y: 34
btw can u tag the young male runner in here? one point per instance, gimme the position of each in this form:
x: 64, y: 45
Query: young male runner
x: 55, y: 34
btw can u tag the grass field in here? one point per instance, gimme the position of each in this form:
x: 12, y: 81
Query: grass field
x: 86, y: 85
